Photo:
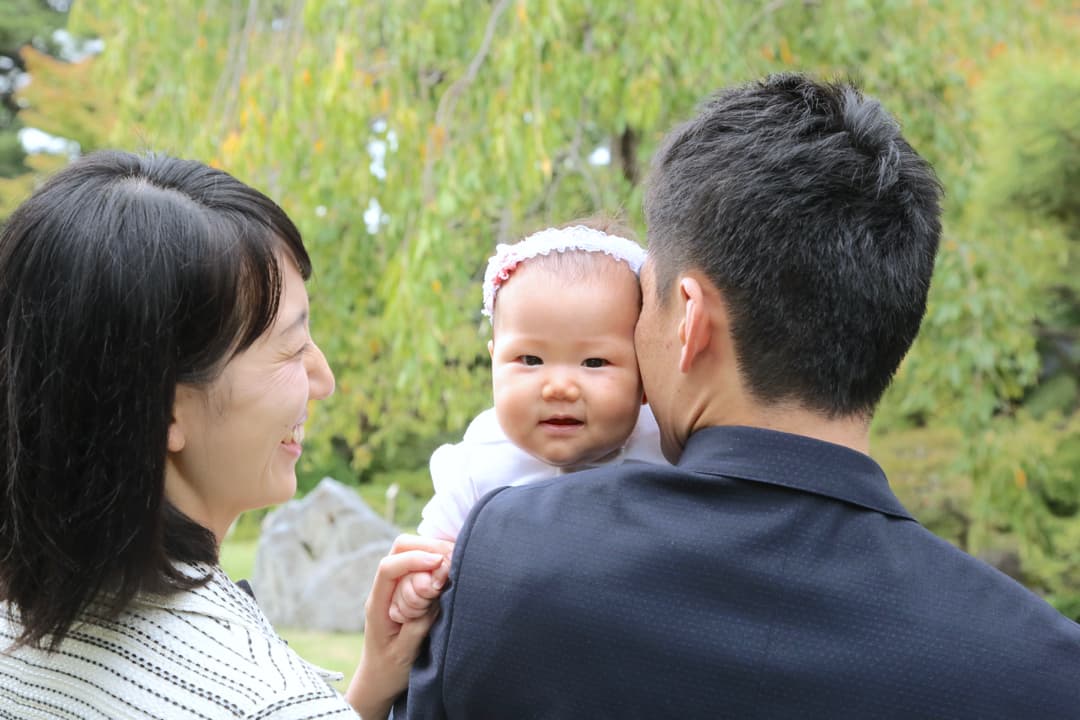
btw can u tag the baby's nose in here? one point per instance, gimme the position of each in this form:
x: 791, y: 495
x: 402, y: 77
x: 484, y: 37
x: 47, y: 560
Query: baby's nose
x: 561, y: 387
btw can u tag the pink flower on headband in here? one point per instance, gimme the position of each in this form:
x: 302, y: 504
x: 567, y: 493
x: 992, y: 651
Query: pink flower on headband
x: 503, y: 275
x: 507, y: 257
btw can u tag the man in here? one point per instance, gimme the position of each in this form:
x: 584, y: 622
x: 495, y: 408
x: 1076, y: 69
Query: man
x: 769, y: 573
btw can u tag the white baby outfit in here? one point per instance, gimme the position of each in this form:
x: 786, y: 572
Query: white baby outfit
x: 486, y: 459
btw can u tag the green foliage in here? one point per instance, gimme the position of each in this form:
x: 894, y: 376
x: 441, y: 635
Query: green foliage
x: 479, y: 119
x: 1060, y: 394
x: 1029, y: 495
x: 489, y: 116
x: 26, y: 21
x: 237, y: 556
x: 11, y: 153
x: 1031, y: 138
x: 14, y: 190
x: 1017, y: 238
x: 918, y: 463
x: 61, y: 99
x: 22, y: 22
x: 398, y: 495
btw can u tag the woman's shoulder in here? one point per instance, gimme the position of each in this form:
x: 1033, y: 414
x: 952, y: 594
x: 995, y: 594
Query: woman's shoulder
x: 218, y: 631
x: 198, y: 653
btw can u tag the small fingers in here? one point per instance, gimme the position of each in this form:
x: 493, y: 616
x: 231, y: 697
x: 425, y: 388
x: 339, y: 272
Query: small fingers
x: 400, y: 613
x: 391, y: 569
x: 403, y: 543
x: 423, y: 588
x: 394, y: 567
x: 440, y: 576
x: 408, y: 602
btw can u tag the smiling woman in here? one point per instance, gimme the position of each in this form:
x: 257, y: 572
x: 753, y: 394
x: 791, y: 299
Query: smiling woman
x: 155, y: 376
x: 234, y: 444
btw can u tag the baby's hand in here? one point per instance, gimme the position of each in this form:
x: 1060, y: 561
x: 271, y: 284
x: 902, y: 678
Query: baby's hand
x: 416, y: 592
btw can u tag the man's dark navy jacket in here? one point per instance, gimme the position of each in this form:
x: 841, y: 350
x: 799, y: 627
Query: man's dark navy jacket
x: 765, y: 576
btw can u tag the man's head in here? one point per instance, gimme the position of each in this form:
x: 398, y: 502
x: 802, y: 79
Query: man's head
x: 817, y: 224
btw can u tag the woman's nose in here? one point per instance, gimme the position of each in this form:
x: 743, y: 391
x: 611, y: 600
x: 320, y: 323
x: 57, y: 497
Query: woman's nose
x: 320, y: 376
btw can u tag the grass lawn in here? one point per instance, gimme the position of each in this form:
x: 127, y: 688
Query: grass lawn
x: 333, y: 651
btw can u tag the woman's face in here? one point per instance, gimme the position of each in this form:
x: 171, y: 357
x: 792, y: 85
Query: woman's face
x: 233, y: 445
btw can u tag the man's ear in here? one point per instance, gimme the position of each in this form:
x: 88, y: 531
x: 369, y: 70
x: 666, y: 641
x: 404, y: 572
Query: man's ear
x: 695, y: 328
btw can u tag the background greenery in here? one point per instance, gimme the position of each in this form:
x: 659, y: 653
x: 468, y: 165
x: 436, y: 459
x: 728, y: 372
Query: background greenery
x: 22, y: 22
x: 469, y: 122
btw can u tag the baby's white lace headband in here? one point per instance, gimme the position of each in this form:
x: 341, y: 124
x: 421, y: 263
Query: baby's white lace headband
x: 578, y: 237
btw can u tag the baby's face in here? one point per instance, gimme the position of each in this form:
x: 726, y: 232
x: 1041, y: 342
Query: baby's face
x: 564, y: 371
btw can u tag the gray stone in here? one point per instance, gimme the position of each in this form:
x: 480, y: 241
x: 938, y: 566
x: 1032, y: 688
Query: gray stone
x: 316, y: 559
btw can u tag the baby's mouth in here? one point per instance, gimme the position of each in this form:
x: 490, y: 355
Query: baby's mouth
x: 562, y: 421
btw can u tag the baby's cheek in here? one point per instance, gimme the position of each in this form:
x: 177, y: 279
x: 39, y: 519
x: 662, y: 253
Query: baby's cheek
x: 509, y: 411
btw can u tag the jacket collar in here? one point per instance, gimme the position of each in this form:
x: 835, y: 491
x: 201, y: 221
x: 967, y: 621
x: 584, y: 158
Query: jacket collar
x: 791, y: 461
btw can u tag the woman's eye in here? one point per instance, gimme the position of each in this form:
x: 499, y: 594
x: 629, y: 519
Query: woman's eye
x: 595, y: 362
x: 531, y: 360
x: 302, y: 350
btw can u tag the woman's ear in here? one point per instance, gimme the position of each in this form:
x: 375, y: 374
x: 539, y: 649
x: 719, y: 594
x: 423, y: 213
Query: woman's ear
x: 176, y: 437
x: 695, y: 329
x: 184, y: 396
x: 491, y: 348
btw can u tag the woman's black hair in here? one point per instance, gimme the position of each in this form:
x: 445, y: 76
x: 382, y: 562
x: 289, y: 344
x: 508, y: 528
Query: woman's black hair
x: 122, y: 276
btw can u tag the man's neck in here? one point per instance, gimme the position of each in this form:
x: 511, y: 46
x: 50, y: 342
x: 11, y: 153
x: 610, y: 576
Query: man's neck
x: 851, y: 431
x: 716, y: 394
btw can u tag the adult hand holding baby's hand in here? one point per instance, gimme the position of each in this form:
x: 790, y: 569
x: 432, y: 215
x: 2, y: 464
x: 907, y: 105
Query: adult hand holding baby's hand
x: 390, y: 647
x: 416, y: 592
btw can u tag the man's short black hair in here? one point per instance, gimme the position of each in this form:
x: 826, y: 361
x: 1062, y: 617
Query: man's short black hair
x: 805, y: 206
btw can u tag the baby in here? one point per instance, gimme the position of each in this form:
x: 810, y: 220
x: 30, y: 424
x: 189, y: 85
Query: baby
x: 563, y: 305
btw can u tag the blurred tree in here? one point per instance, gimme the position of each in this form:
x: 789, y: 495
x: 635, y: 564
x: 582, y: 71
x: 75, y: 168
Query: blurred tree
x: 1024, y: 448
x: 61, y: 100
x: 22, y: 23
x: 408, y: 142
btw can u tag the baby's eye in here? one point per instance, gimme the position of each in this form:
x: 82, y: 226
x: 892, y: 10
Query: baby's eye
x: 595, y: 362
x: 530, y: 360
